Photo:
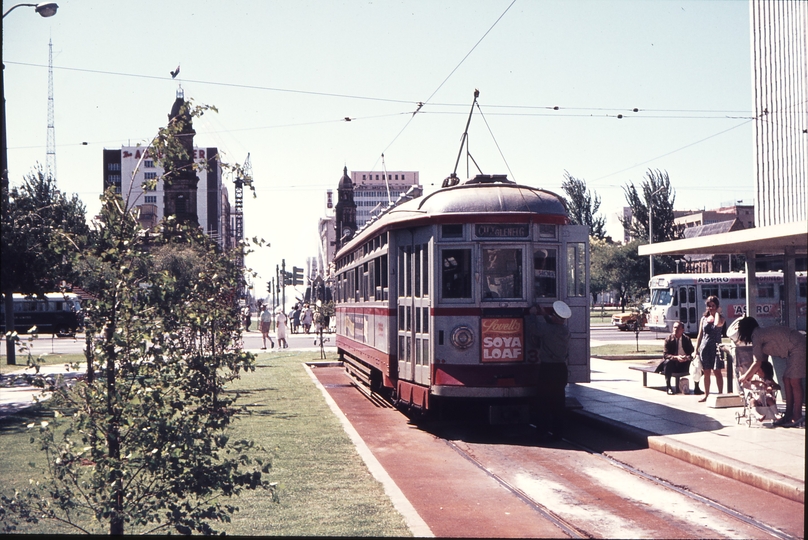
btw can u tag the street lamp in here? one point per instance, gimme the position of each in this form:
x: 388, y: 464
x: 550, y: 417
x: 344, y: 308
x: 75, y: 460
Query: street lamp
x: 651, y: 224
x: 45, y: 9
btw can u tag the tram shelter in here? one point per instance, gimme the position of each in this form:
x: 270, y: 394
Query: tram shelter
x: 787, y: 240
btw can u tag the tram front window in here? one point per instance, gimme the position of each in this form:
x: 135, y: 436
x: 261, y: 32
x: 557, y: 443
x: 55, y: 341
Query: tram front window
x: 456, y: 273
x: 544, y: 273
x: 502, y: 274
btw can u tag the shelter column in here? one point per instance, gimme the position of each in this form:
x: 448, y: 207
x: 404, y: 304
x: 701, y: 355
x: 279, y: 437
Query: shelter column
x: 751, y: 285
x: 789, y: 300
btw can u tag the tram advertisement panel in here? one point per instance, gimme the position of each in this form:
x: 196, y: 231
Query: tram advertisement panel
x: 502, y: 340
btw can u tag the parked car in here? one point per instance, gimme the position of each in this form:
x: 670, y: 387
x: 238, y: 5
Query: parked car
x: 631, y: 320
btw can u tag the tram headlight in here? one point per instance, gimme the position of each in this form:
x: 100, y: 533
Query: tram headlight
x: 462, y: 337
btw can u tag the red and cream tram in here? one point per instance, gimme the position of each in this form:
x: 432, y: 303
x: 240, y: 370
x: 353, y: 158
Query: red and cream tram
x: 432, y: 296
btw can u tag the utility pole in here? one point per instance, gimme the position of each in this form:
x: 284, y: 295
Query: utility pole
x: 651, y: 224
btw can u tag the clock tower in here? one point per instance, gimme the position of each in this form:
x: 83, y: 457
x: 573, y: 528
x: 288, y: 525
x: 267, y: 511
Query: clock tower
x: 180, y: 181
x: 345, y: 209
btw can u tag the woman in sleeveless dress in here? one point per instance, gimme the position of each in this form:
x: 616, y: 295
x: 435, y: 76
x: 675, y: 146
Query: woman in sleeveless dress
x: 710, y: 328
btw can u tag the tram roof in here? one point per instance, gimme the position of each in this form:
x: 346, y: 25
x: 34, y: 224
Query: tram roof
x: 467, y: 199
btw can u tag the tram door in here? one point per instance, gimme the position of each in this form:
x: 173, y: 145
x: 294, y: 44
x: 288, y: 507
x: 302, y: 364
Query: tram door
x: 688, y: 310
x: 413, y: 311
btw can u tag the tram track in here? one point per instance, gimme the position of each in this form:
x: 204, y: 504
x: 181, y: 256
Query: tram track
x: 763, y: 527
x: 575, y: 531
x: 545, y: 512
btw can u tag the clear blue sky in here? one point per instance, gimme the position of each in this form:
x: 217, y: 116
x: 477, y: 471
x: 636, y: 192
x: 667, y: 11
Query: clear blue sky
x: 285, y: 74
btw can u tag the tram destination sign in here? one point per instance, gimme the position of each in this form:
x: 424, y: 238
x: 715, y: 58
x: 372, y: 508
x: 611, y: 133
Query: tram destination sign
x: 493, y: 230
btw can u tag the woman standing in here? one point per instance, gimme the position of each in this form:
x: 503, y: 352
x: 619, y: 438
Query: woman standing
x: 280, y: 328
x: 783, y: 342
x: 710, y: 328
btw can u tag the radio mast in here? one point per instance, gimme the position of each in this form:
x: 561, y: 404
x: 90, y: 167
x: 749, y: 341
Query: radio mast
x: 50, y: 160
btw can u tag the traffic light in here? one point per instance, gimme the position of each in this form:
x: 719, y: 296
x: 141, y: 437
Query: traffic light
x: 287, y: 277
x: 269, y: 286
x: 297, y: 276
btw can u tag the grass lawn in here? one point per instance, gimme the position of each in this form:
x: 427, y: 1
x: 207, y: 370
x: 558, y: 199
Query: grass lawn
x: 324, y: 487
x: 628, y: 349
x: 48, y: 360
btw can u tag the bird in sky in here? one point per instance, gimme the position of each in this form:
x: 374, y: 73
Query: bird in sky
x: 175, y: 72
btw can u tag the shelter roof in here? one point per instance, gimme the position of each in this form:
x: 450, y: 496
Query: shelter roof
x: 770, y: 240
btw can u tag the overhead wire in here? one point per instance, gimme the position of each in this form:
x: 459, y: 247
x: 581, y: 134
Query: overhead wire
x: 422, y: 103
x: 419, y: 104
x: 674, y: 151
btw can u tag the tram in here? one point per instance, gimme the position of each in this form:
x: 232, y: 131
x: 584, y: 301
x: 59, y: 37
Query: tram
x: 431, y: 297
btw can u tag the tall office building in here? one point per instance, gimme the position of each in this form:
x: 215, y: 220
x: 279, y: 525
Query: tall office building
x: 780, y: 86
x: 371, y: 191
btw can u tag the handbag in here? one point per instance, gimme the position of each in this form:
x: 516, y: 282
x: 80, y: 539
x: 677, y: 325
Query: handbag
x: 696, y: 370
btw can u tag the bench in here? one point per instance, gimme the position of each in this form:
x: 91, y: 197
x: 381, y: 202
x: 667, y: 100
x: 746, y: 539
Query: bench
x: 650, y: 367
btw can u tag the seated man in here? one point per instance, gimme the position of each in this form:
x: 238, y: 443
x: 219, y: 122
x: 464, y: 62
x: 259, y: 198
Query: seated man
x: 677, y: 356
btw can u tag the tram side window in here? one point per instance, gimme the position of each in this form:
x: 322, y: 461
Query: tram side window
x: 544, y: 273
x: 502, y: 275
x: 417, y: 264
x: 426, y: 270
x: 385, y: 286
x: 453, y: 231
x: 576, y: 269
x: 456, y: 273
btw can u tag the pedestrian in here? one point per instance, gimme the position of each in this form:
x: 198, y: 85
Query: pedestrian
x: 306, y: 318
x: 247, y: 318
x: 550, y: 336
x: 783, y: 342
x: 711, y: 326
x: 280, y: 328
x: 296, y: 319
x: 266, y: 323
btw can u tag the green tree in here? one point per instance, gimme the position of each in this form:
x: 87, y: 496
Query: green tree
x: 583, y: 205
x: 144, y: 447
x: 616, y: 267
x: 656, y: 188
x: 41, y: 228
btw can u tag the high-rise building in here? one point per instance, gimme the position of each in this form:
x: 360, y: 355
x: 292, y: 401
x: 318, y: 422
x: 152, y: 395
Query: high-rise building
x: 374, y: 191
x: 780, y: 85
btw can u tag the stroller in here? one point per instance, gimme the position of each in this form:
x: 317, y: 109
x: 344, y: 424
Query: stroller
x: 760, y: 394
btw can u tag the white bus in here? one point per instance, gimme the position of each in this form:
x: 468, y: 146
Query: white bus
x: 681, y: 297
